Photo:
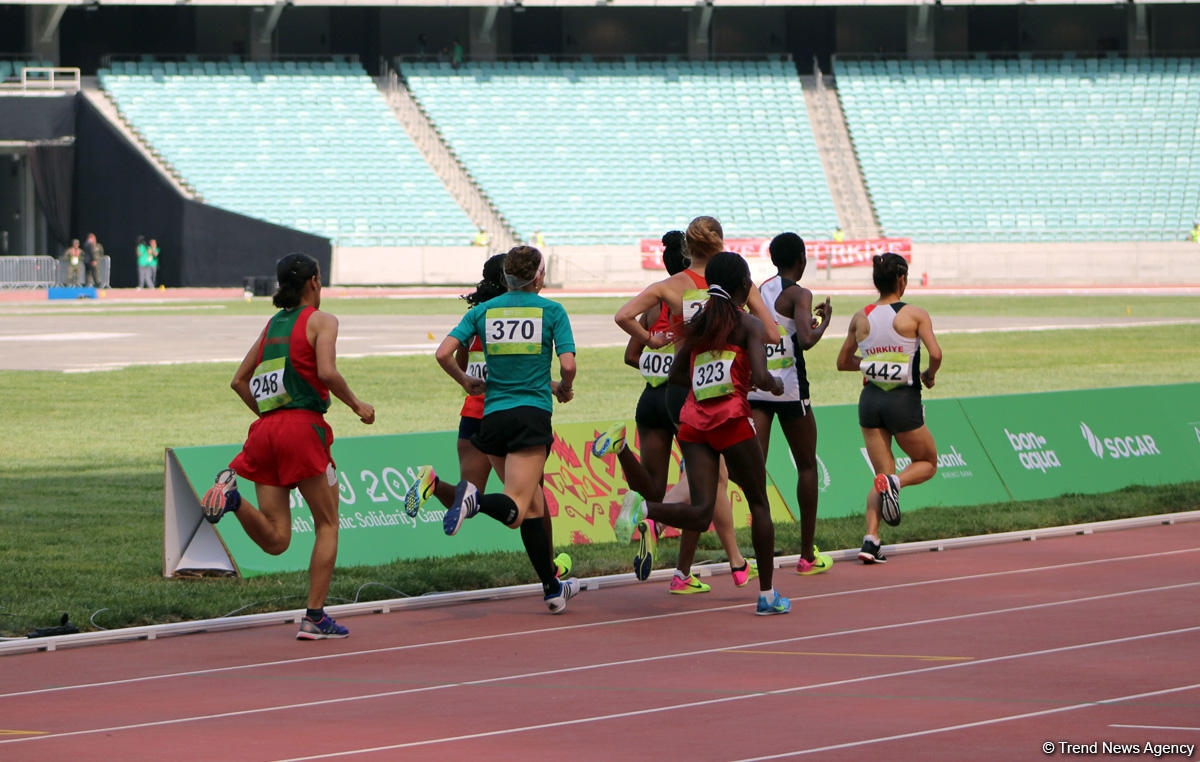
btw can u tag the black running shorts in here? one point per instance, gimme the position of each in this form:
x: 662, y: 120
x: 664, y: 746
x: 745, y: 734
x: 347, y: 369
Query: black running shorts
x: 652, y: 411
x: 517, y: 428
x: 897, y: 411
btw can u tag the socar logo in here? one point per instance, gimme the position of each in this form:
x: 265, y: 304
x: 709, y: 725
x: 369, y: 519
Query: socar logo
x: 1092, y: 440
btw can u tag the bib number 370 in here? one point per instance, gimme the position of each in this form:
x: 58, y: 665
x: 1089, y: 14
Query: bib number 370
x: 514, y: 330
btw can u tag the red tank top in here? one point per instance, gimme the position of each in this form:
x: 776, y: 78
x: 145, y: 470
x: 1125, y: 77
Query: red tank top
x: 720, y: 383
x: 473, y: 405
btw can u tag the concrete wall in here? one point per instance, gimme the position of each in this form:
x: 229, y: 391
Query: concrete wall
x: 619, y: 267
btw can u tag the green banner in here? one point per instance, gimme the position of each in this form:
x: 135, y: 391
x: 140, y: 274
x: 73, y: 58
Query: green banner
x: 583, y: 495
x: 844, y: 474
x: 1099, y: 440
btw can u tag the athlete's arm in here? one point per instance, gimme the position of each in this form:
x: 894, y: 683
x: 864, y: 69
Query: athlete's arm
x: 932, y: 350
x: 245, y: 371
x: 446, y: 355
x: 627, y: 316
x: 806, y: 335
x: 323, y: 329
x: 633, y: 350
x: 564, y: 389
x: 757, y: 338
x: 760, y: 310
x: 847, y: 359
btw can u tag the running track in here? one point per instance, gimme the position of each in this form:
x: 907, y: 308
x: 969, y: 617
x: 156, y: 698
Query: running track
x: 983, y: 652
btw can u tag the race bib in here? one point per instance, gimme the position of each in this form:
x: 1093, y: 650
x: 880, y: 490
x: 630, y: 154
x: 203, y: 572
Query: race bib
x: 712, y: 375
x: 888, y: 370
x: 781, y: 355
x: 477, y: 365
x: 514, y: 330
x: 694, y: 300
x: 267, y: 385
x: 655, y: 364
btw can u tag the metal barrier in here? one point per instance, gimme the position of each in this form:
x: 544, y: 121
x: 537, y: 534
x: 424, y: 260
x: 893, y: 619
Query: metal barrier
x: 43, y: 272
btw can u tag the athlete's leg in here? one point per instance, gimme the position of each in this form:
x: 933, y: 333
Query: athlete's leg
x: 879, y: 451
x: 701, y: 462
x: 322, y: 499
x: 801, y: 435
x: 647, y: 476
x: 270, y: 524
x: 722, y: 524
x: 918, y: 444
x: 749, y: 471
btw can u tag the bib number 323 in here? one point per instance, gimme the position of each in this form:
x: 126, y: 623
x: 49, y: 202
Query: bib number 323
x: 712, y: 375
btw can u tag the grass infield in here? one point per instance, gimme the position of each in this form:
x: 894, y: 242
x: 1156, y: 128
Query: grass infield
x: 82, y: 466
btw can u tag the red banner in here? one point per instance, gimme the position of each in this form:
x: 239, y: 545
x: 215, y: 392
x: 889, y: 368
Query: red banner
x: 820, y: 253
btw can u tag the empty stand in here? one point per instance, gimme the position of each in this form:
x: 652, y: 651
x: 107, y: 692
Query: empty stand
x: 609, y: 152
x: 1027, y: 149
x: 308, y: 145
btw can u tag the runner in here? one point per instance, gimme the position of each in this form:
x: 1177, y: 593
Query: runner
x: 722, y: 352
x: 889, y: 335
x: 798, y: 332
x: 473, y: 465
x: 685, y: 294
x: 286, y: 379
x: 520, y: 331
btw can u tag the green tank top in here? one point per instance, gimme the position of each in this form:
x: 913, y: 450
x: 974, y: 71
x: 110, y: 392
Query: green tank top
x: 284, y: 381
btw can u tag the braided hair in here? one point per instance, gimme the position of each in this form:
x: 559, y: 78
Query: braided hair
x: 492, y: 284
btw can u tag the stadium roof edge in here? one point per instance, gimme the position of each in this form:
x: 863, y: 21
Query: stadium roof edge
x: 584, y: 3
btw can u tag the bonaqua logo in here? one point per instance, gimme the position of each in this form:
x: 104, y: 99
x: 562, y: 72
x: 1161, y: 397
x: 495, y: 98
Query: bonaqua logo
x: 1032, y: 451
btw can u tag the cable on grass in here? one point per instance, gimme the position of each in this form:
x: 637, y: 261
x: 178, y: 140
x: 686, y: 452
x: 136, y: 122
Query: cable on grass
x: 361, y: 587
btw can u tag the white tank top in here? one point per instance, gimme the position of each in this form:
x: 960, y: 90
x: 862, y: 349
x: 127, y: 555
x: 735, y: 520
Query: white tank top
x: 781, y: 356
x: 889, y: 360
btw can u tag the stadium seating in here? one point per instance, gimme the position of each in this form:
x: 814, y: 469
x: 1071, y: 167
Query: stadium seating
x: 609, y: 152
x: 1027, y: 149
x: 311, y: 145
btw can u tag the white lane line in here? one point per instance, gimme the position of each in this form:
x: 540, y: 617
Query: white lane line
x: 980, y: 723
x: 666, y: 657
x: 796, y: 689
x: 76, y: 336
x: 1053, y: 568
x: 1156, y: 727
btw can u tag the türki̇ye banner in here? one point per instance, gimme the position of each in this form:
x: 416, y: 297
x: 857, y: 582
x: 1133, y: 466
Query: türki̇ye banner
x: 820, y: 253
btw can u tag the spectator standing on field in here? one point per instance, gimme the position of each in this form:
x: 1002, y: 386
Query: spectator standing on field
x: 93, y: 254
x: 145, y: 271
x: 73, y: 256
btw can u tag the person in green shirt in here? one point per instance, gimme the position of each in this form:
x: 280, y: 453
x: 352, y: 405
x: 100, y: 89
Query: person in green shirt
x: 146, y: 264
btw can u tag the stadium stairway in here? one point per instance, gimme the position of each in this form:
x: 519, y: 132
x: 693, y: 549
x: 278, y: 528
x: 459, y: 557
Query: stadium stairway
x: 842, y: 172
x: 466, y: 191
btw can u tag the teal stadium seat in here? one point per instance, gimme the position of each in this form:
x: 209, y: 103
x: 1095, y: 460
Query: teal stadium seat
x: 1041, y: 149
x: 595, y: 152
x: 310, y: 145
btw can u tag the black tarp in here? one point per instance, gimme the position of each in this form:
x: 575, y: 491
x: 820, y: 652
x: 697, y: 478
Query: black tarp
x: 119, y: 195
x: 35, y: 118
x: 53, y: 167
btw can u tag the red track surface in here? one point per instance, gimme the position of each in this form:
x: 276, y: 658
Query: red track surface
x: 982, y: 653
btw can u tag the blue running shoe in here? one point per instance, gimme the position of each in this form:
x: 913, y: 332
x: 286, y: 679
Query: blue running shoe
x: 777, y: 605
x: 612, y: 440
x: 567, y: 589
x: 320, y: 629
x: 643, y: 561
x: 221, y: 497
x: 465, y: 505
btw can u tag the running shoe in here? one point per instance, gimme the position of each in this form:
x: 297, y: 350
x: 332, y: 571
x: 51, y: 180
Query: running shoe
x: 221, y: 497
x: 562, y: 565
x: 871, y: 553
x: 420, y: 491
x: 612, y: 441
x: 320, y: 629
x: 777, y: 605
x: 822, y: 562
x: 643, y: 561
x: 745, y: 574
x: 688, y: 585
x: 633, y: 510
x: 465, y: 505
x: 567, y: 589
x: 888, y: 487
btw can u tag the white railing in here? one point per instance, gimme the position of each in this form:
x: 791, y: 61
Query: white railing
x: 43, y: 271
x: 45, y: 79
